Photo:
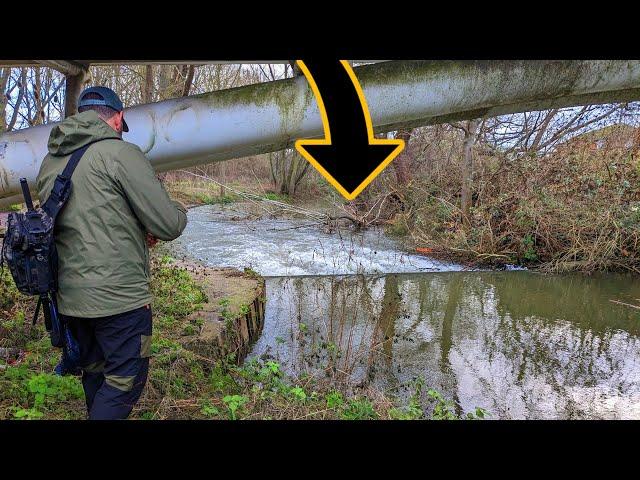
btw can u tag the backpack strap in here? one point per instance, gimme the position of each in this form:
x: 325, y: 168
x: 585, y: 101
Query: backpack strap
x: 62, y: 185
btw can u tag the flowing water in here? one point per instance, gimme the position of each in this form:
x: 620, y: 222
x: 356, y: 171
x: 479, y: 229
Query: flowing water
x: 517, y: 343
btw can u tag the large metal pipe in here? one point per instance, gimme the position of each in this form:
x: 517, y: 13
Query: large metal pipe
x: 266, y: 117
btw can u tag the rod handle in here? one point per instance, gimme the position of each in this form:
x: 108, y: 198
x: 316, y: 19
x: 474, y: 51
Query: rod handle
x: 26, y: 193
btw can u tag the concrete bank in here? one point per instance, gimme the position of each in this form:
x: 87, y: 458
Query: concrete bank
x: 232, y: 319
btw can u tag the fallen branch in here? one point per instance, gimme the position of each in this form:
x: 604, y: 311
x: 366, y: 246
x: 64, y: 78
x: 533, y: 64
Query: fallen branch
x: 637, y: 307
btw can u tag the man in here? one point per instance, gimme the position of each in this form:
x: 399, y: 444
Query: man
x: 117, y: 208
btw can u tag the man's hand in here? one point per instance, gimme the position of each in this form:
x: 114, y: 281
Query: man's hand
x: 151, y: 240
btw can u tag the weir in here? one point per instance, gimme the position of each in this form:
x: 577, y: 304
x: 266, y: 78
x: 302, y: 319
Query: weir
x: 266, y: 117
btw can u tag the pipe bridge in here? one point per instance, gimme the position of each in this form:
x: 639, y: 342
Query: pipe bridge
x: 266, y: 117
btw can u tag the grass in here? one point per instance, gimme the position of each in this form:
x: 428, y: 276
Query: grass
x: 207, y: 199
x: 196, y: 192
x: 182, y: 384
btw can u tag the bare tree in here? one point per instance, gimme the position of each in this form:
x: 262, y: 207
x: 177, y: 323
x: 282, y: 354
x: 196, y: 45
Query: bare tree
x: 188, y: 79
x: 539, y: 132
x: 22, y: 87
x: 402, y: 163
x: 4, y: 80
x: 470, y: 129
x: 147, y: 93
x: 288, y: 167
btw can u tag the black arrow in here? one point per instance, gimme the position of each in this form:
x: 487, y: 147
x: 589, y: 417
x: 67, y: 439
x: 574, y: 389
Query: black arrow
x: 349, y: 156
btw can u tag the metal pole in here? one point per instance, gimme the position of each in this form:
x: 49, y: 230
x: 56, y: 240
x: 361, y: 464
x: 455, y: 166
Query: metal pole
x: 267, y: 117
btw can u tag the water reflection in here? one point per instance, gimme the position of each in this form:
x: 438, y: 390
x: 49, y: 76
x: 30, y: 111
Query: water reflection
x: 519, y: 344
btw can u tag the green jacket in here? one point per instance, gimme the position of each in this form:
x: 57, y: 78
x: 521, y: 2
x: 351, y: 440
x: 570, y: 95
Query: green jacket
x: 100, y: 234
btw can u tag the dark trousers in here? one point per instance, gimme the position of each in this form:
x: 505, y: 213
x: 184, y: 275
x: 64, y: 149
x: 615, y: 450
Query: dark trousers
x: 114, y: 357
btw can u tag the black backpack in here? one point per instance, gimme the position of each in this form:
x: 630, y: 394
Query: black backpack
x: 30, y: 252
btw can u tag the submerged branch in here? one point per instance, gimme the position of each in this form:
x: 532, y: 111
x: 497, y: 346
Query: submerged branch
x: 637, y: 307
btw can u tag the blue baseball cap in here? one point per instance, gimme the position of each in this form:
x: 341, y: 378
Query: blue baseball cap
x: 108, y: 98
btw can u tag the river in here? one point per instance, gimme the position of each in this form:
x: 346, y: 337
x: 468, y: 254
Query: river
x: 520, y: 344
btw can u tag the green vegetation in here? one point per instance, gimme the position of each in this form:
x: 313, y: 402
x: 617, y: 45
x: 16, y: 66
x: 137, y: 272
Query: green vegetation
x: 208, y: 199
x: 251, y: 273
x: 278, y: 197
x: 530, y: 252
x: 28, y: 389
x: 9, y: 295
x: 359, y: 409
x: 175, y: 293
x: 43, y: 392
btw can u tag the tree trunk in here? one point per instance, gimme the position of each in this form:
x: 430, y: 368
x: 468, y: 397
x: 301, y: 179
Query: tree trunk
x: 165, y: 82
x: 4, y: 79
x: 22, y: 86
x: 147, y: 95
x: 273, y: 164
x: 402, y: 163
x: 72, y: 92
x: 188, y: 81
x: 467, y: 167
x: 288, y: 168
x: 38, y: 118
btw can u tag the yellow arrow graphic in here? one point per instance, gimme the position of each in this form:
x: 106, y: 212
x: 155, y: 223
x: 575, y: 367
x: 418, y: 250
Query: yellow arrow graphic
x: 327, y: 134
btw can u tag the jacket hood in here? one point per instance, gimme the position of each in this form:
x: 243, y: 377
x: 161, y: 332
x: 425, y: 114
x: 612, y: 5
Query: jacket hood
x: 77, y: 131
